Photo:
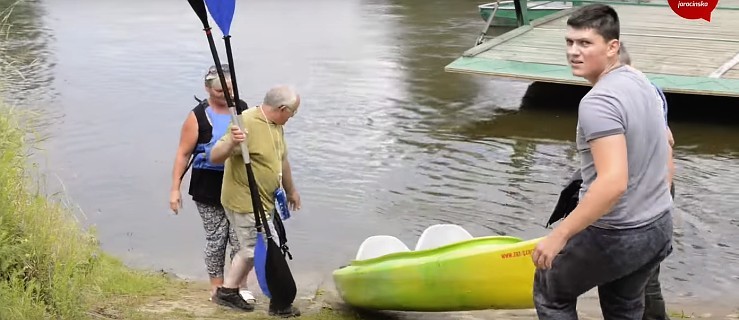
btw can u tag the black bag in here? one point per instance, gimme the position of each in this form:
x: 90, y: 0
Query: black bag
x: 568, y: 199
x: 280, y: 279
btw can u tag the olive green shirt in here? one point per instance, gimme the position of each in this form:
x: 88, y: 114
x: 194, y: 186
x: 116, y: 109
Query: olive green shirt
x: 266, y: 144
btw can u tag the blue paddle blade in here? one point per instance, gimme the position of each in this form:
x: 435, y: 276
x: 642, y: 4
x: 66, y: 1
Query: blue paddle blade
x: 222, y: 12
x: 260, y: 264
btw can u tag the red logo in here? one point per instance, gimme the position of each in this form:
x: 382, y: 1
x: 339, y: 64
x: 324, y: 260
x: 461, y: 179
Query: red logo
x: 693, y: 9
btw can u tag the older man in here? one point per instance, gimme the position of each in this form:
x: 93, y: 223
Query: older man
x: 268, y: 153
x: 621, y: 229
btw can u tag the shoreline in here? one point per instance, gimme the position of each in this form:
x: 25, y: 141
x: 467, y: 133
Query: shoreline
x: 320, y: 300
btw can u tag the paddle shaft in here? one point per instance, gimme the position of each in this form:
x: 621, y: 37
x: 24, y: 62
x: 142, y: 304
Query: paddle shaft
x: 235, y: 117
x: 261, y: 217
x: 230, y: 58
x: 278, y: 278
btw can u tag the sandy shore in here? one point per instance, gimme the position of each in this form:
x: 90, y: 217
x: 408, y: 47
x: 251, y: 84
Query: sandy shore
x: 588, y: 308
x: 318, y: 299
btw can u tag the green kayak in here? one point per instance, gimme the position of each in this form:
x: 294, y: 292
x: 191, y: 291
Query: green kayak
x: 449, y: 270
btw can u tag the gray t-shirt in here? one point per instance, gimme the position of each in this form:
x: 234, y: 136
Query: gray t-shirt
x: 624, y: 101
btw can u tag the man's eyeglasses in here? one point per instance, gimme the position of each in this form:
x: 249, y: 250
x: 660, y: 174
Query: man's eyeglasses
x: 292, y: 111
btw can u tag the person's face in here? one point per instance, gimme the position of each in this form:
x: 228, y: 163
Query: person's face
x: 588, y: 54
x: 216, y: 92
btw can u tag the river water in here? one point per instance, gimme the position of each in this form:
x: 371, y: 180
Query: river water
x: 386, y: 142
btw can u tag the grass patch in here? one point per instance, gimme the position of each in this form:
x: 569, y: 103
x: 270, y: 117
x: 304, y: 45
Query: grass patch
x: 49, y: 266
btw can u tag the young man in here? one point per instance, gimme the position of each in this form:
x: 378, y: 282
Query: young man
x: 621, y: 229
x: 268, y: 153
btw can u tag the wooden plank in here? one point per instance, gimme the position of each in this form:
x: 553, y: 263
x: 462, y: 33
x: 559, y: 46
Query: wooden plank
x: 487, y: 45
x: 725, y: 67
x: 557, y: 36
x: 681, y: 37
x: 732, y: 74
x: 677, y: 54
x: 692, y: 48
x: 689, y: 57
x: 563, y: 74
x: 724, y: 25
x: 692, y: 53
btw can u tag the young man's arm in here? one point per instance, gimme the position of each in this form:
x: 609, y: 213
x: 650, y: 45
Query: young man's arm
x: 611, y: 165
x: 602, y: 126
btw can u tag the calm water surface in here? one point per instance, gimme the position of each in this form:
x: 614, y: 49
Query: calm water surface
x: 386, y: 142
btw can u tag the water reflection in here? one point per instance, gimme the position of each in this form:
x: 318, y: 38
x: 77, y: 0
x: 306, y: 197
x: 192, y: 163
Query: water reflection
x: 25, y: 58
x: 420, y: 44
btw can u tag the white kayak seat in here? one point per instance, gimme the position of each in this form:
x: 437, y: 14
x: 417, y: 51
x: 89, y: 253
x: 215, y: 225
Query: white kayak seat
x: 440, y: 235
x: 377, y: 246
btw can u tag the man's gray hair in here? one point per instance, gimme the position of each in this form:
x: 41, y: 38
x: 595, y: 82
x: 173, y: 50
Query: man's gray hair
x: 281, y: 96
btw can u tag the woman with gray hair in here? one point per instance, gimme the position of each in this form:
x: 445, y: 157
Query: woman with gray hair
x: 204, y: 125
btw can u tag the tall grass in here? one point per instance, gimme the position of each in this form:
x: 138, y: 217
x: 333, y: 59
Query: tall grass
x: 44, y: 258
x: 50, y: 268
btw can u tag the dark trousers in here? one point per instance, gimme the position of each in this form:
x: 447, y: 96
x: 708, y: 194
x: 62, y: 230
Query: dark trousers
x: 654, y: 304
x: 618, y: 262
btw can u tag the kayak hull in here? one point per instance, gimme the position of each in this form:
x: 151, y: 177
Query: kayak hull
x: 493, y: 272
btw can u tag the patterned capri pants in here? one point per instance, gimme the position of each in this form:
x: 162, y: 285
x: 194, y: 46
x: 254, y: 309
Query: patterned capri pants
x: 218, y: 233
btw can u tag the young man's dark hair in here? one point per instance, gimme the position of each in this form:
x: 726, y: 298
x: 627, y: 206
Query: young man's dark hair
x: 600, y: 17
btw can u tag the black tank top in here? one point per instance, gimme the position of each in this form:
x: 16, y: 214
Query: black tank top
x: 205, y: 185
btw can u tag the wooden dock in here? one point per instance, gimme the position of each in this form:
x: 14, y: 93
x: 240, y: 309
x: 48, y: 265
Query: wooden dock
x: 679, y: 55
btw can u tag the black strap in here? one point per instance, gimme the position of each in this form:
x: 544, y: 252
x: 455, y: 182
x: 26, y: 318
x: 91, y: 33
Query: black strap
x: 192, y: 159
x: 282, y: 234
x: 193, y: 154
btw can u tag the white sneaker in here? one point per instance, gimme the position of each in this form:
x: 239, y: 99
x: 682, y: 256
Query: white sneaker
x: 247, y: 295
